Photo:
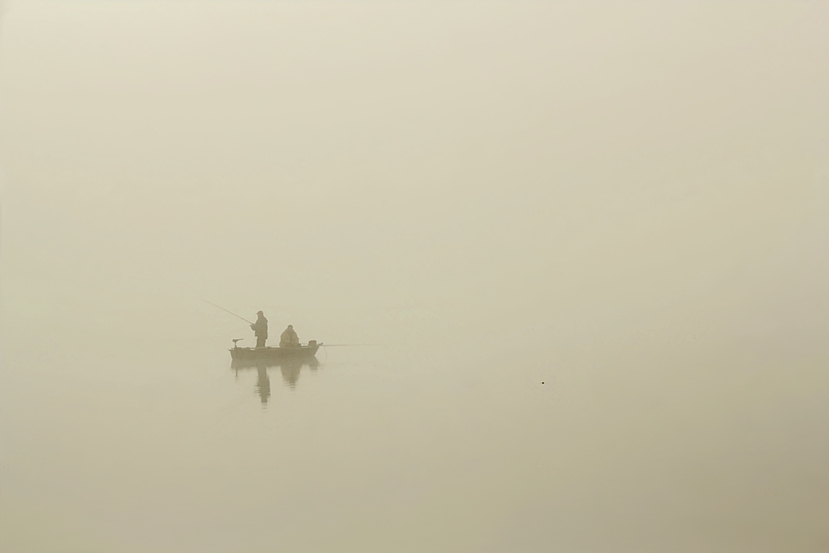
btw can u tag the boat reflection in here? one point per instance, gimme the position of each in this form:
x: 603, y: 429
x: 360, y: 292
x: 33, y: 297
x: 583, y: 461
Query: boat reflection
x: 290, y: 369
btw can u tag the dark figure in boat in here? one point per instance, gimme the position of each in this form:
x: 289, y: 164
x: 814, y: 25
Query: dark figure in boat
x: 289, y: 339
x: 260, y: 329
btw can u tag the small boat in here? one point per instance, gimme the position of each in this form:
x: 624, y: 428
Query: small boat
x: 275, y: 353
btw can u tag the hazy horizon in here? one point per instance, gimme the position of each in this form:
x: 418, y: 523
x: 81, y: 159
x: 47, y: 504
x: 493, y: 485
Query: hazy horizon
x: 626, y: 201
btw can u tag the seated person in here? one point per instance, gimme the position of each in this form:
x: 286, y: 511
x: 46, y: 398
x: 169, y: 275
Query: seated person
x: 289, y: 339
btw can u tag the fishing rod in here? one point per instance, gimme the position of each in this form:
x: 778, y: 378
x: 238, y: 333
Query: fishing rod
x: 247, y: 321
x: 226, y: 310
x: 347, y: 345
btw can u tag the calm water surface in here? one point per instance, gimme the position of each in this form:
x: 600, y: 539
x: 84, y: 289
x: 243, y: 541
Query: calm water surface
x: 589, y: 249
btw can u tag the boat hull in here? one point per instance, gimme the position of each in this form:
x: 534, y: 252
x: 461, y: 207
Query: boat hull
x: 274, y: 354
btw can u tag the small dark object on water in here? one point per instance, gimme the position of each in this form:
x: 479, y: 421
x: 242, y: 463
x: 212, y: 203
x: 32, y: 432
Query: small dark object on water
x: 542, y: 383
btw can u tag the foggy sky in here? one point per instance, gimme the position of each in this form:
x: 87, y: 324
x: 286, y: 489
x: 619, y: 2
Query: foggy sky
x: 574, y: 178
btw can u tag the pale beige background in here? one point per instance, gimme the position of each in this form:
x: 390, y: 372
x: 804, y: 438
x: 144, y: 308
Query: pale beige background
x: 625, y: 200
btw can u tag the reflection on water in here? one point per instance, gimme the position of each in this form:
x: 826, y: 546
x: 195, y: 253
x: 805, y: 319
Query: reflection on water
x: 263, y: 384
x: 290, y: 369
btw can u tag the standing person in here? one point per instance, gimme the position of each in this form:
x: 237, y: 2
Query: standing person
x: 289, y: 339
x: 260, y: 329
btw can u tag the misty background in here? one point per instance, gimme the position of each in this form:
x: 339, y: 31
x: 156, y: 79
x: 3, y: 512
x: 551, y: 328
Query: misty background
x: 626, y: 201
